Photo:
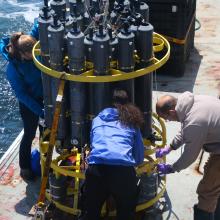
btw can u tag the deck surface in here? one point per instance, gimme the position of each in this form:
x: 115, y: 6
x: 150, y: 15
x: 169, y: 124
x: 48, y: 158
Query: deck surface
x: 202, y: 76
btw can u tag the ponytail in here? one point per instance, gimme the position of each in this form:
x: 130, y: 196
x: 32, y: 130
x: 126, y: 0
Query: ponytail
x: 20, y: 43
x: 13, y: 46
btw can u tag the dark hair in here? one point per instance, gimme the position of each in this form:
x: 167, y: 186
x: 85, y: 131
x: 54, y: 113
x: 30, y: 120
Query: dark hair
x: 129, y: 114
x: 24, y: 45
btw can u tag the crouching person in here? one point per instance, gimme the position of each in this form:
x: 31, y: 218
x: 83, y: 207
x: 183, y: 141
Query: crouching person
x: 116, y: 148
x: 199, y: 116
x: 25, y: 80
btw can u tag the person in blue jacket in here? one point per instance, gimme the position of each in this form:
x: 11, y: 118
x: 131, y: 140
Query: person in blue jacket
x: 116, y: 148
x: 35, y: 30
x: 25, y: 80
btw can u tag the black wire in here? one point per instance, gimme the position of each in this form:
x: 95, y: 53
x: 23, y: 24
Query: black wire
x: 198, y: 25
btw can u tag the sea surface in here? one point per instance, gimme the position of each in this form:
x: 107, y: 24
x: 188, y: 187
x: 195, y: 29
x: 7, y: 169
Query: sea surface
x: 15, y: 15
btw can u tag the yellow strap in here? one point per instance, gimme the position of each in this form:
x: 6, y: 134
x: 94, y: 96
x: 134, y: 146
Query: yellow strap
x: 76, y: 196
x: 53, y: 134
x: 159, y: 44
x: 180, y: 41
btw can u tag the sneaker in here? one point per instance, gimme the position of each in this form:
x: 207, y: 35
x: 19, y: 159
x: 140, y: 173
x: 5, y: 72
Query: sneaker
x: 27, y: 175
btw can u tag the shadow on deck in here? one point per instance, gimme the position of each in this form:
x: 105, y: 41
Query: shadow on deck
x: 169, y: 83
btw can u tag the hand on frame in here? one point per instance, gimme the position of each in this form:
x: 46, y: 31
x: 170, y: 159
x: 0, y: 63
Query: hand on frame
x: 163, y: 168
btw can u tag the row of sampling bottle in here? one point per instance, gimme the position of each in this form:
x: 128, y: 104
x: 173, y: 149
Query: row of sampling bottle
x: 76, y: 36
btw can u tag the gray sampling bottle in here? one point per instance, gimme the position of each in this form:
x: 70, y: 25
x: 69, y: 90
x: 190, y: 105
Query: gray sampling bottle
x: 126, y: 59
x: 78, y: 94
x: 56, y: 34
x: 59, y: 7
x: 100, y: 92
x: 144, y: 84
x: 44, y: 20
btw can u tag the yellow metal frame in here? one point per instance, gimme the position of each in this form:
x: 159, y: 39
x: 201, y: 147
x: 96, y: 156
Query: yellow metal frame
x: 115, y: 75
x: 148, y: 166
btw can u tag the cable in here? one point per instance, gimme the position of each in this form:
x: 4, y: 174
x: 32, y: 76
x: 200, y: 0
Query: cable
x: 198, y: 25
x: 155, y: 82
x: 106, y: 13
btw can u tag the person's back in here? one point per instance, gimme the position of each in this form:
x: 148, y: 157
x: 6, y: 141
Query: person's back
x: 200, y: 118
x: 116, y: 147
x: 200, y: 114
x: 112, y: 142
x: 207, y: 109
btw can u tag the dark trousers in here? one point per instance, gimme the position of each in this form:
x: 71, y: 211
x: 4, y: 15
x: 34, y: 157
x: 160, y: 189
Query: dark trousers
x: 105, y: 180
x: 217, y: 210
x: 30, y: 123
x: 209, y: 187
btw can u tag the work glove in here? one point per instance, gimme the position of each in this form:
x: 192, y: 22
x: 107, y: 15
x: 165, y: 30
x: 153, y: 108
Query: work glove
x: 163, y: 168
x: 162, y: 152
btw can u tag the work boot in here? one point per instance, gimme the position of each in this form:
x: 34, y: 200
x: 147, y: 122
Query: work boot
x: 217, y: 211
x: 27, y: 175
x: 200, y: 214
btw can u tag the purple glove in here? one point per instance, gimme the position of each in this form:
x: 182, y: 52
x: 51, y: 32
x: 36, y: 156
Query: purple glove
x: 163, y: 168
x: 162, y: 152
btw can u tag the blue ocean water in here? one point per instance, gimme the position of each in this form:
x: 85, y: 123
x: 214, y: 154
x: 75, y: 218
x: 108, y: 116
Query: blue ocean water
x: 15, y: 15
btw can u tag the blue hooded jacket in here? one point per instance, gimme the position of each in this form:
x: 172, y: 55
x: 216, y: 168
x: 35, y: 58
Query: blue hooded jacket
x: 24, y: 78
x: 113, y: 143
x: 34, y: 31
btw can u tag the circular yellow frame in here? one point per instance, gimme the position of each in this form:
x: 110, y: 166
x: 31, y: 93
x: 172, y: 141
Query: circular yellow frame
x: 115, y: 75
x: 74, y: 171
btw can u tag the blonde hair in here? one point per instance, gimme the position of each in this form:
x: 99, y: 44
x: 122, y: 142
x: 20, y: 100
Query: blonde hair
x: 20, y: 43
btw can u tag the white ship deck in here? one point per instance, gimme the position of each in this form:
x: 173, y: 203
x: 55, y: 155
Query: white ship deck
x: 202, y: 76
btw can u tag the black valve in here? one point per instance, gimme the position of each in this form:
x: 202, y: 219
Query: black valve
x: 46, y: 3
x: 125, y: 30
x: 75, y: 29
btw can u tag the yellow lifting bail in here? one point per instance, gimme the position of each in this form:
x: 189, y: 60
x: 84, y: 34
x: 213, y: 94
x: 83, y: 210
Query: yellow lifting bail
x: 116, y: 75
x: 159, y: 43
x: 146, y: 167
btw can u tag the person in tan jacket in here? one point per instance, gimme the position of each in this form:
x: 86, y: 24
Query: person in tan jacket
x: 199, y: 116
